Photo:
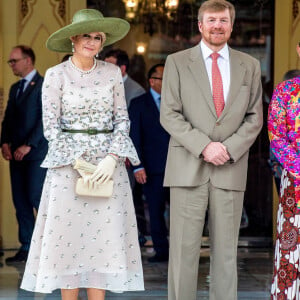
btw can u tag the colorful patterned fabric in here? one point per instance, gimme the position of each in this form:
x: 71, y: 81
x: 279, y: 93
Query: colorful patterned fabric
x: 286, y: 277
x: 283, y: 125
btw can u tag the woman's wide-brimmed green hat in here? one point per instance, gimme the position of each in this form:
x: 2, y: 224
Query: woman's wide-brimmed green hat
x: 86, y: 21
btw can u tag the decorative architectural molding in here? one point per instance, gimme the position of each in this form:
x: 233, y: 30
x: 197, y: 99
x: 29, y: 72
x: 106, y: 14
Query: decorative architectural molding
x: 62, y: 9
x: 295, y: 8
x: 1, y: 108
x: 59, y: 11
x: 26, y: 9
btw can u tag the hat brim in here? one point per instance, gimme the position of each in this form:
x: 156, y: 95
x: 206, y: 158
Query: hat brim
x: 114, y: 29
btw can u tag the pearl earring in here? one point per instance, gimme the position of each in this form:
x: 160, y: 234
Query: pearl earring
x: 73, y: 50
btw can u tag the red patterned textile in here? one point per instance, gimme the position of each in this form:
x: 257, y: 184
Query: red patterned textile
x: 286, y: 277
x: 217, y: 84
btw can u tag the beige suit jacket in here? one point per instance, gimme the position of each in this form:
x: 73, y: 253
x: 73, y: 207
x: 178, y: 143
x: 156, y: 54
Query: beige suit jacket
x: 188, y: 114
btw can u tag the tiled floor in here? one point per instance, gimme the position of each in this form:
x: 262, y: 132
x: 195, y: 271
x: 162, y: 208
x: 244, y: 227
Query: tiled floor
x: 254, y: 269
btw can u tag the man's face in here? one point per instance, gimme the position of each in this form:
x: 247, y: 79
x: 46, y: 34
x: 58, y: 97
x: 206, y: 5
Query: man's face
x: 18, y: 62
x: 216, y: 28
x: 156, y: 79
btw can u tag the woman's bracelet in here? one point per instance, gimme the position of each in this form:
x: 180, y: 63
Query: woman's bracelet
x: 114, y: 156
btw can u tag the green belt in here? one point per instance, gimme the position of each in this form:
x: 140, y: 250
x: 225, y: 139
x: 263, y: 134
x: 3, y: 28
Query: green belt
x: 90, y: 131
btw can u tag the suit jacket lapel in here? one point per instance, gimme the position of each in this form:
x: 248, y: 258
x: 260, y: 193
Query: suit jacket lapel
x: 29, y: 87
x: 236, y: 79
x: 15, y: 90
x: 151, y: 104
x: 198, y: 69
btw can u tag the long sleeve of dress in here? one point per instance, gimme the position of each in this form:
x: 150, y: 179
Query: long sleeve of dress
x: 121, y: 144
x: 283, y: 126
x: 63, y: 149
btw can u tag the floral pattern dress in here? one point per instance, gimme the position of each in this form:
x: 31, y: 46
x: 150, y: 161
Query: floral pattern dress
x: 84, y: 241
x: 283, y: 125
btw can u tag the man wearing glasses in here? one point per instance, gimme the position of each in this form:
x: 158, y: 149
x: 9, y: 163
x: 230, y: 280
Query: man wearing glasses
x: 23, y: 144
x: 151, y: 142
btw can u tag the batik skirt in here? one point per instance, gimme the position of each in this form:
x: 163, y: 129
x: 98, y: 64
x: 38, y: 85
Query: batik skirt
x: 286, y: 277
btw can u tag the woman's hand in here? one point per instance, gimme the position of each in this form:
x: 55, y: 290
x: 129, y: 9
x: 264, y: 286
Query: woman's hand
x: 85, y: 176
x: 104, y: 171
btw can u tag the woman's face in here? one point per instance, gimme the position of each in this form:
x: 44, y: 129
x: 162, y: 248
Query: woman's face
x: 87, y: 44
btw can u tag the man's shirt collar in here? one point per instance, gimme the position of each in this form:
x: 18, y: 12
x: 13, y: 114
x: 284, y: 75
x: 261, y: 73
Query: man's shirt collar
x: 125, y: 77
x: 30, y: 76
x: 206, y: 52
x: 154, y: 94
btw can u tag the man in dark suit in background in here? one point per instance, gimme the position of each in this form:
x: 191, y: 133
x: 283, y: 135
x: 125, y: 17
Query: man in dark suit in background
x: 151, y: 142
x: 23, y: 144
x: 132, y: 90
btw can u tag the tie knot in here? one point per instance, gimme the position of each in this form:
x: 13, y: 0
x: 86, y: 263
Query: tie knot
x: 22, y: 83
x: 21, y: 87
x: 215, y: 55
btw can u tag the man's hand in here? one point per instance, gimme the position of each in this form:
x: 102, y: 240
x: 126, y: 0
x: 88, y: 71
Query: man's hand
x: 215, y: 153
x: 6, y: 152
x: 298, y: 49
x: 140, y: 176
x: 21, y: 152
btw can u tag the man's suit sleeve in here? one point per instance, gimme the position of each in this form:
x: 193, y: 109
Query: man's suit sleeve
x: 135, y: 128
x: 138, y: 91
x: 240, y: 141
x: 172, y: 116
x: 37, y: 134
x: 7, y: 120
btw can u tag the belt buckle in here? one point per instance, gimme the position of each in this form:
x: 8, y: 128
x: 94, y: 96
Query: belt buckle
x: 92, y: 131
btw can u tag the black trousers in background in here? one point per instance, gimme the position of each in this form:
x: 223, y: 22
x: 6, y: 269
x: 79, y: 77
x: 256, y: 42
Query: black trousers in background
x: 138, y: 202
x: 27, y: 179
x: 157, y: 197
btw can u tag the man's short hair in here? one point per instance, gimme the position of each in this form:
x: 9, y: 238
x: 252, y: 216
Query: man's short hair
x: 153, y: 70
x: 216, y: 6
x: 291, y: 74
x: 26, y: 51
x: 121, y: 56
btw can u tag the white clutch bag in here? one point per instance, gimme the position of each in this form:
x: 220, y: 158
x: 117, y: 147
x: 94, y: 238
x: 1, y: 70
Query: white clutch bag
x: 98, y: 190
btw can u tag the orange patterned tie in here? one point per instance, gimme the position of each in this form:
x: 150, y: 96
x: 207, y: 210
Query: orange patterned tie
x: 217, y: 85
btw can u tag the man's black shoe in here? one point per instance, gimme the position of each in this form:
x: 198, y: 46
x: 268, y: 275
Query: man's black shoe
x: 142, y: 240
x: 21, y: 256
x: 158, y: 258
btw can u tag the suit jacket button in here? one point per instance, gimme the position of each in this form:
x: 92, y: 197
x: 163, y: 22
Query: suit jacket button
x: 218, y: 123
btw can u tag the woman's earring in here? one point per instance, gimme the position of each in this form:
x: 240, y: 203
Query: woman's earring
x: 73, y: 50
x: 97, y: 55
